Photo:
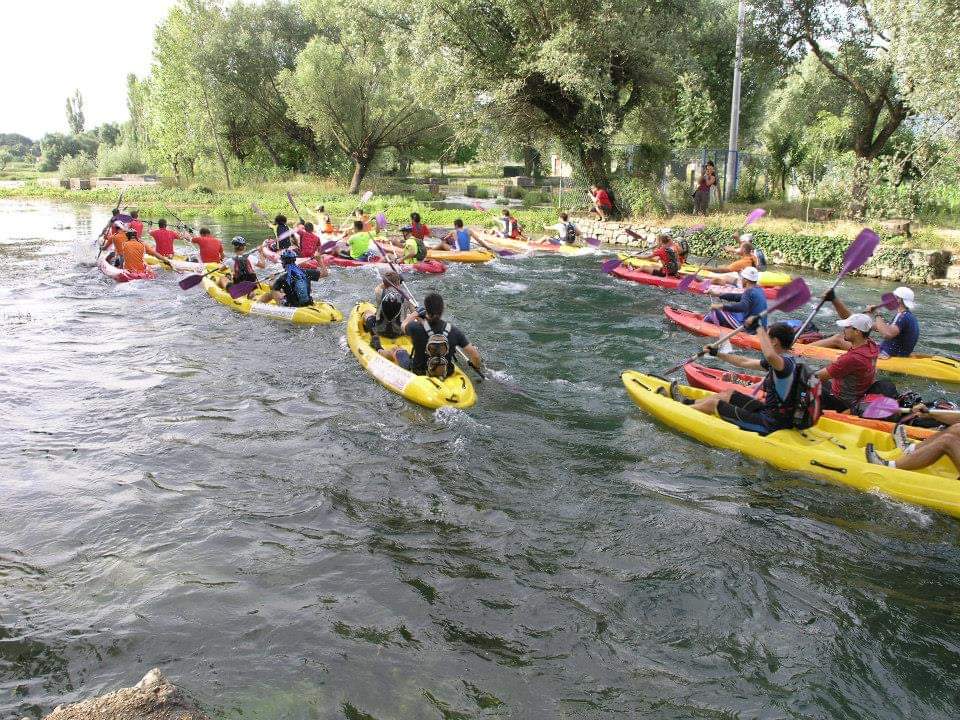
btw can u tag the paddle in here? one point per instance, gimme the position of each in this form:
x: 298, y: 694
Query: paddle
x: 294, y: 206
x: 884, y: 407
x: 613, y: 263
x: 180, y: 220
x: 194, y: 279
x: 794, y: 295
x: 858, y: 252
x: 751, y: 218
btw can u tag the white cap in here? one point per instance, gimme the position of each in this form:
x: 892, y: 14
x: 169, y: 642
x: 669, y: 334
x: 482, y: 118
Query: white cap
x: 906, y: 294
x: 751, y: 274
x: 119, y: 224
x: 746, y: 237
x: 858, y: 321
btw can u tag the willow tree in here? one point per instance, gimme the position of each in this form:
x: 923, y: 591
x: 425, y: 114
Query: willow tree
x: 568, y: 69
x: 352, y: 83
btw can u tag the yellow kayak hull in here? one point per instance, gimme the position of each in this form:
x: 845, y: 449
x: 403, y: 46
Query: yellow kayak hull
x: 467, y: 256
x: 178, y: 263
x: 320, y: 313
x: 767, y: 278
x: 524, y: 246
x: 830, y: 449
x: 456, y: 391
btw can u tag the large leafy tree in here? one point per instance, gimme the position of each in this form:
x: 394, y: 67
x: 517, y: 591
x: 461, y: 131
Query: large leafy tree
x: 844, y: 38
x: 568, y: 69
x: 352, y: 83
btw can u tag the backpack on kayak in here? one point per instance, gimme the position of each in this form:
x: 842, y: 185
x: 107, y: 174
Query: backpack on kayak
x: 298, y: 287
x: 389, y: 319
x: 243, y: 270
x: 438, y: 351
x: 569, y: 233
x: 672, y: 266
x: 684, y: 247
x: 421, y: 249
x: 761, y: 259
x: 804, y: 397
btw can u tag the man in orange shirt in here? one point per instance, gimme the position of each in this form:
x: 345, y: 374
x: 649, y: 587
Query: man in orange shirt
x: 211, y: 249
x: 132, y: 253
x: 116, y: 239
x: 745, y: 258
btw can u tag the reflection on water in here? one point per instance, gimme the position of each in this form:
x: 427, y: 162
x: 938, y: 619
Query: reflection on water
x: 234, y: 500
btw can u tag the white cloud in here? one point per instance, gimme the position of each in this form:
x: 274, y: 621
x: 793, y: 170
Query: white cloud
x: 49, y: 48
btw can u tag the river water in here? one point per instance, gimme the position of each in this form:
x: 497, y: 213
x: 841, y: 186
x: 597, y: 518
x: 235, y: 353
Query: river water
x: 234, y: 500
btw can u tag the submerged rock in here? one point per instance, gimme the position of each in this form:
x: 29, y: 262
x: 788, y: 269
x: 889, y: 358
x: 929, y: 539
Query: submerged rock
x: 153, y: 698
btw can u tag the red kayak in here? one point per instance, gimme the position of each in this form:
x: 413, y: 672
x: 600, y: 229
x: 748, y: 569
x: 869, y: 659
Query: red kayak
x: 670, y: 283
x: 716, y: 380
x: 120, y: 275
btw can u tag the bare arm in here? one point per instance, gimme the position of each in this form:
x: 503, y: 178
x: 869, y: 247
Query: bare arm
x: 474, y: 355
x: 887, y: 330
x: 739, y: 360
x: 774, y: 360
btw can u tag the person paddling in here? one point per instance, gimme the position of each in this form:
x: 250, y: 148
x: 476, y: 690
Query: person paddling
x: 211, y: 249
x: 132, y: 252
x: 751, y: 302
x: 136, y: 224
x: 392, y: 307
x: 435, y: 341
x: 666, y: 253
x: 461, y: 239
x: 853, y: 373
x: 899, y: 336
x: 509, y: 226
x: 239, y: 269
x: 163, y: 239
x: 282, y: 236
x: 566, y: 231
x: 115, y: 239
x: 358, y: 244
x: 292, y: 288
x: 746, y: 258
x: 309, y: 242
x: 776, y: 410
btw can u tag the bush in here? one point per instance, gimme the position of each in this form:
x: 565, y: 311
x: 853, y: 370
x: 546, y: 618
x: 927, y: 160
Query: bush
x: 200, y: 189
x: 680, y: 196
x: 502, y: 201
x: 422, y: 195
x: 514, y: 192
x: 639, y: 197
x: 532, y: 198
x: 77, y: 166
x: 476, y: 191
x: 119, y: 160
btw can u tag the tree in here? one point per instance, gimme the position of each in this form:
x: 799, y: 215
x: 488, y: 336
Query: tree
x: 860, y: 62
x: 352, y: 83
x: 698, y: 123
x: 54, y: 147
x: 6, y: 155
x: 571, y: 70
x: 20, y: 146
x: 75, y: 119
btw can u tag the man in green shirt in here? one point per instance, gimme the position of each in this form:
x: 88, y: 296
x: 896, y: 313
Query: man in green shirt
x: 360, y: 243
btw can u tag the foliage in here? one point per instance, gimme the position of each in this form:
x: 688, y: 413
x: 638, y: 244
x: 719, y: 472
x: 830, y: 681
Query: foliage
x: 19, y: 146
x: 80, y: 165
x: 532, y: 198
x: 118, y: 160
x: 6, y: 155
x: 75, y: 119
x: 476, y: 191
x: 698, y: 121
x: 679, y: 196
x: 54, y: 147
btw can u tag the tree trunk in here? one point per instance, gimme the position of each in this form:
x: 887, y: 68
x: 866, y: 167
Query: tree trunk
x: 361, y: 165
x: 270, y: 151
x: 859, y: 188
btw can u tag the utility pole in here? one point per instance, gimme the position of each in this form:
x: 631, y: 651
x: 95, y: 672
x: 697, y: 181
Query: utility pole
x: 730, y: 176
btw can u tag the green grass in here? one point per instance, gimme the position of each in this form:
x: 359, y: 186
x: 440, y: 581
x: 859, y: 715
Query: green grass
x: 21, y: 170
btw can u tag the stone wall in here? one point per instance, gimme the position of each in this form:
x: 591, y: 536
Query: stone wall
x: 934, y: 267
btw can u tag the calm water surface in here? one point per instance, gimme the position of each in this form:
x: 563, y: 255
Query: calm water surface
x: 234, y: 500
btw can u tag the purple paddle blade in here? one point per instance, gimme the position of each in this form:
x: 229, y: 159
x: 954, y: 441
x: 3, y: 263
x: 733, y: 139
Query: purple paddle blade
x: 889, y: 301
x: 686, y: 282
x: 610, y: 265
x: 242, y: 288
x: 505, y: 253
x: 381, y: 221
x: 859, y: 251
x: 794, y: 295
x: 881, y: 408
x: 328, y: 246
x: 592, y: 241
x: 190, y: 281
x: 704, y: 285
x: 754, y: 216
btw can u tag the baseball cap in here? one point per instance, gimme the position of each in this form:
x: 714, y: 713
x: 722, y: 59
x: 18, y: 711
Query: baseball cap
x: 858, y: 321
x: 746, y: 237
x: 906, y: 294
x: 751, y: 274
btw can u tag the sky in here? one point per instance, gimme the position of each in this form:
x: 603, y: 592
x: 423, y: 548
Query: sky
x: 49, y: 48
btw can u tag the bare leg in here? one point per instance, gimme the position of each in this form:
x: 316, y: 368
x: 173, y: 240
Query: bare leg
x: 708, y: 405
x: 834, y: 341
x: 929, y: 451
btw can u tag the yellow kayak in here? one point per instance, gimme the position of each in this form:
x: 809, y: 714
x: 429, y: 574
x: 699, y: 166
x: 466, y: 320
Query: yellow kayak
x: 532, y: 246
x: 178, y: 263
x: 456, y: 391
x: 467, y: 256
x: 767, y: 278
x: 320, y: 313
x: 830, y: 449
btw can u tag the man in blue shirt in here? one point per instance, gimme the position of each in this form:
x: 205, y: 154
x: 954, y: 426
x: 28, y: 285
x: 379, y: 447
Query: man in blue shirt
x: 900, y: 336
x: 739, y: 306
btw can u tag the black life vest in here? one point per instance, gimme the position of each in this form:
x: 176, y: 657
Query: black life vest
x: 389, y: 320
x: 569, y: 233
x: 243, y: 270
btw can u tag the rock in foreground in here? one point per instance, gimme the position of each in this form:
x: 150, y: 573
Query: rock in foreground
x: 153, y: 698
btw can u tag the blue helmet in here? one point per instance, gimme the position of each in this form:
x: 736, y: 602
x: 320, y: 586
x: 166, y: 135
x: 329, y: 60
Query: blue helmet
x: 239, y: 241
x: 288, y: 256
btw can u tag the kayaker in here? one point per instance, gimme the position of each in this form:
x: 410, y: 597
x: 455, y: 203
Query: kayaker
x: 115, y: 239
x: 163, y: 238
x: 358, y: 244
x: 132, y: 253
x: 509, y: 227
x: 280, y: 228
x: 435, y: 342
x: 566, y: 231
x: 925, y: 453
x: 602, y: 205
x: 392, y: 306
x: 751, y: 302
x: 460, y: 239
x: 775, y: 411
x: 899, y: 337
x: 292, y: 288
x: 324, y: 221
x: 109, y: 227
x: 666, y: 253
x: 240, y: 268
x: 745, y: 258
x: 136, y: 224
x: 211, y: 249
x: 309, y: 243
x: 854, y: 372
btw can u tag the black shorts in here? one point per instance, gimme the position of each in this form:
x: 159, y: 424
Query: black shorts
x: 829, y: 401
x: 745, y: 412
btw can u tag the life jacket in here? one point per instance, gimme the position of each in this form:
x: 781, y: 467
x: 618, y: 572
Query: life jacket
x: 672, y: 266
x: 389, y: 320
x: 243, y: 270
x: 804, y: 397
x: 761, y: 258
x: 421, y: 249
x: 298, y: 287
x: 683, y: 249
x: 569, y: 233
x: 438, y: 351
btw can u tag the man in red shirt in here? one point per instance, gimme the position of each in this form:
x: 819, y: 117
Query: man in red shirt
x: 163, y: 238
x: 667, y: 255
x: 852, y: 373
x: 211, y: 249
x: 602, y: 206
x: 135, y: 223
x: 309, y: 243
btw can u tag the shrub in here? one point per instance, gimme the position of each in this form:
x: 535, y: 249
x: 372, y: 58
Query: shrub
x: 502, y: 201
x: 200, y: 189
x: 422, y: 195
x: 680, y: 196
x: 514, y: 192
x: 532, y: 198
x: 639, y: 197
x: 119, y: 160
x: 477, y: 191
x: 77, y: 166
